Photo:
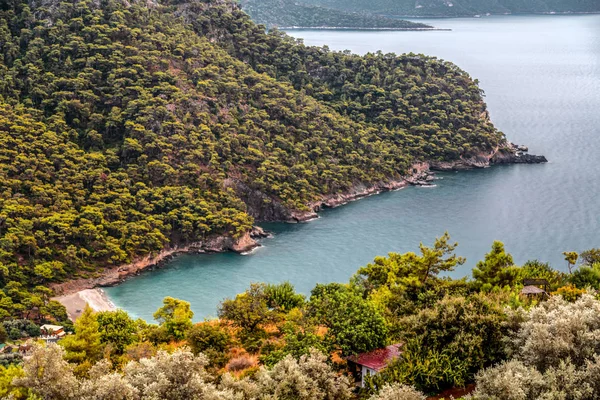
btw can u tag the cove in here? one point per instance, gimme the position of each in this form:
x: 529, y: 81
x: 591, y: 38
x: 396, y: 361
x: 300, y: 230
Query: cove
x: 541, y: 75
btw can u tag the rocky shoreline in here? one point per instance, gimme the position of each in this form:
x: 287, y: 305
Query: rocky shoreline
x: 114, y: 275
x: 332, y: 28
x: 422, y: 174
x: 265, y: 209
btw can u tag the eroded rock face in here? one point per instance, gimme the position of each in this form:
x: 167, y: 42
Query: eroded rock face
x: 220, y: 244
x: 259, y: 233
x: 266, y: 209
x: 478, y: 161
x: 511, y: 154
x: 359, y: 191
x: 521, y: 157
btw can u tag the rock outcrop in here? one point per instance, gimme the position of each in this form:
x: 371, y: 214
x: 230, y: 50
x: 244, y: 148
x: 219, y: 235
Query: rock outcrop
x: 264, y: 208
x: 516, y: 155
x: 259, y: 233
x: 510, y: 154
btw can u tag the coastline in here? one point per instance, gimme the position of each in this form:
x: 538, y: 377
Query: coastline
x: 341, y: 28
x: 111, y: 276
x: 75, y: 293
x: 508, y: 14
x: 422, y: 174
x: 75, y: 302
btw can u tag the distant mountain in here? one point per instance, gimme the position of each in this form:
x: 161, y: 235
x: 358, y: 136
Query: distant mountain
x: 290, y: 13
x: 450, y: 8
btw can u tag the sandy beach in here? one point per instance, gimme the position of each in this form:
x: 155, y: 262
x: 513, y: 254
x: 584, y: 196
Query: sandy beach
x: 95, y: 298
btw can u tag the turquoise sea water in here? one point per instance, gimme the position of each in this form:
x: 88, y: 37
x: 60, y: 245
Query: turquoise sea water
x: 541, y: 75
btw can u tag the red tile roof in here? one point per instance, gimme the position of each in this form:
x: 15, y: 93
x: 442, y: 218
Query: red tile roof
x: 377, y: 359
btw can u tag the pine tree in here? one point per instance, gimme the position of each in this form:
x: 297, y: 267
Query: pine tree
x: 84, y: 347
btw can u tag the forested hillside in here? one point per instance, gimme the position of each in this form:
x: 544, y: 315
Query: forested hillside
x: 130, y: 127
x: 455, y: 8
x: 290, y: 13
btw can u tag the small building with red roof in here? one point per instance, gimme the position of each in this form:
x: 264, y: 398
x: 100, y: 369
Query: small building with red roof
x: 364, y: 364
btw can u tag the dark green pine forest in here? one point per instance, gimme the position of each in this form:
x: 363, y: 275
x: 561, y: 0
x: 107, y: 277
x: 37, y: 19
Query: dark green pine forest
x: 291, y: 13
x: 456, y: 8
x: 127, y: 127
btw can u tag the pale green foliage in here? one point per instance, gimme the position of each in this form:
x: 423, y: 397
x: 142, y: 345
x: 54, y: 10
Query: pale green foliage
x: 398, y: 391
x: 511, y: 380
x: 556, y: 355
x: 176, y: 317
x: 106, y: 385
x: 177, y: 376
x: 180, y: 375
x: 47, y: 374
x: 557, y: 330
x: 245, y: 389
x: 309, y: 378
x: 514, y: 380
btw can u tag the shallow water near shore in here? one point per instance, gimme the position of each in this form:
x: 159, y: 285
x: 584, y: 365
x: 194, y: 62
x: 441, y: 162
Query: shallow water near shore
x: 541, y: 75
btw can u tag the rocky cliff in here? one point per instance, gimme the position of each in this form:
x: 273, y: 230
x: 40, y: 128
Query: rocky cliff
x: 265, y: 208
x: 510, y: 154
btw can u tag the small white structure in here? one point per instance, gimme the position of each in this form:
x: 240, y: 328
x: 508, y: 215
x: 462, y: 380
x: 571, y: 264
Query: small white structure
x: 51, y: 333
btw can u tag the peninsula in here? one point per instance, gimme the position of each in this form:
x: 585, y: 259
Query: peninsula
x: 126, y: 148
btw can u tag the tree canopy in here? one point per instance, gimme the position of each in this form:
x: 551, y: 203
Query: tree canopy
x: 128, y: 127
x: 458, y: 8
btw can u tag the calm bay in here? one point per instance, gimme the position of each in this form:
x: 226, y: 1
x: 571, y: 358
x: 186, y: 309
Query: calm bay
x: 541, y: 75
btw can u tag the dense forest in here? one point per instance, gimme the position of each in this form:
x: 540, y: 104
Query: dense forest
x: 481, y: 337
x: 456, y: 8
x: 290, y: 13
x: 130, y: 127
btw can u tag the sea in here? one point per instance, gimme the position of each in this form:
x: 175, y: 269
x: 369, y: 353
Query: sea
x: 541, y: 77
